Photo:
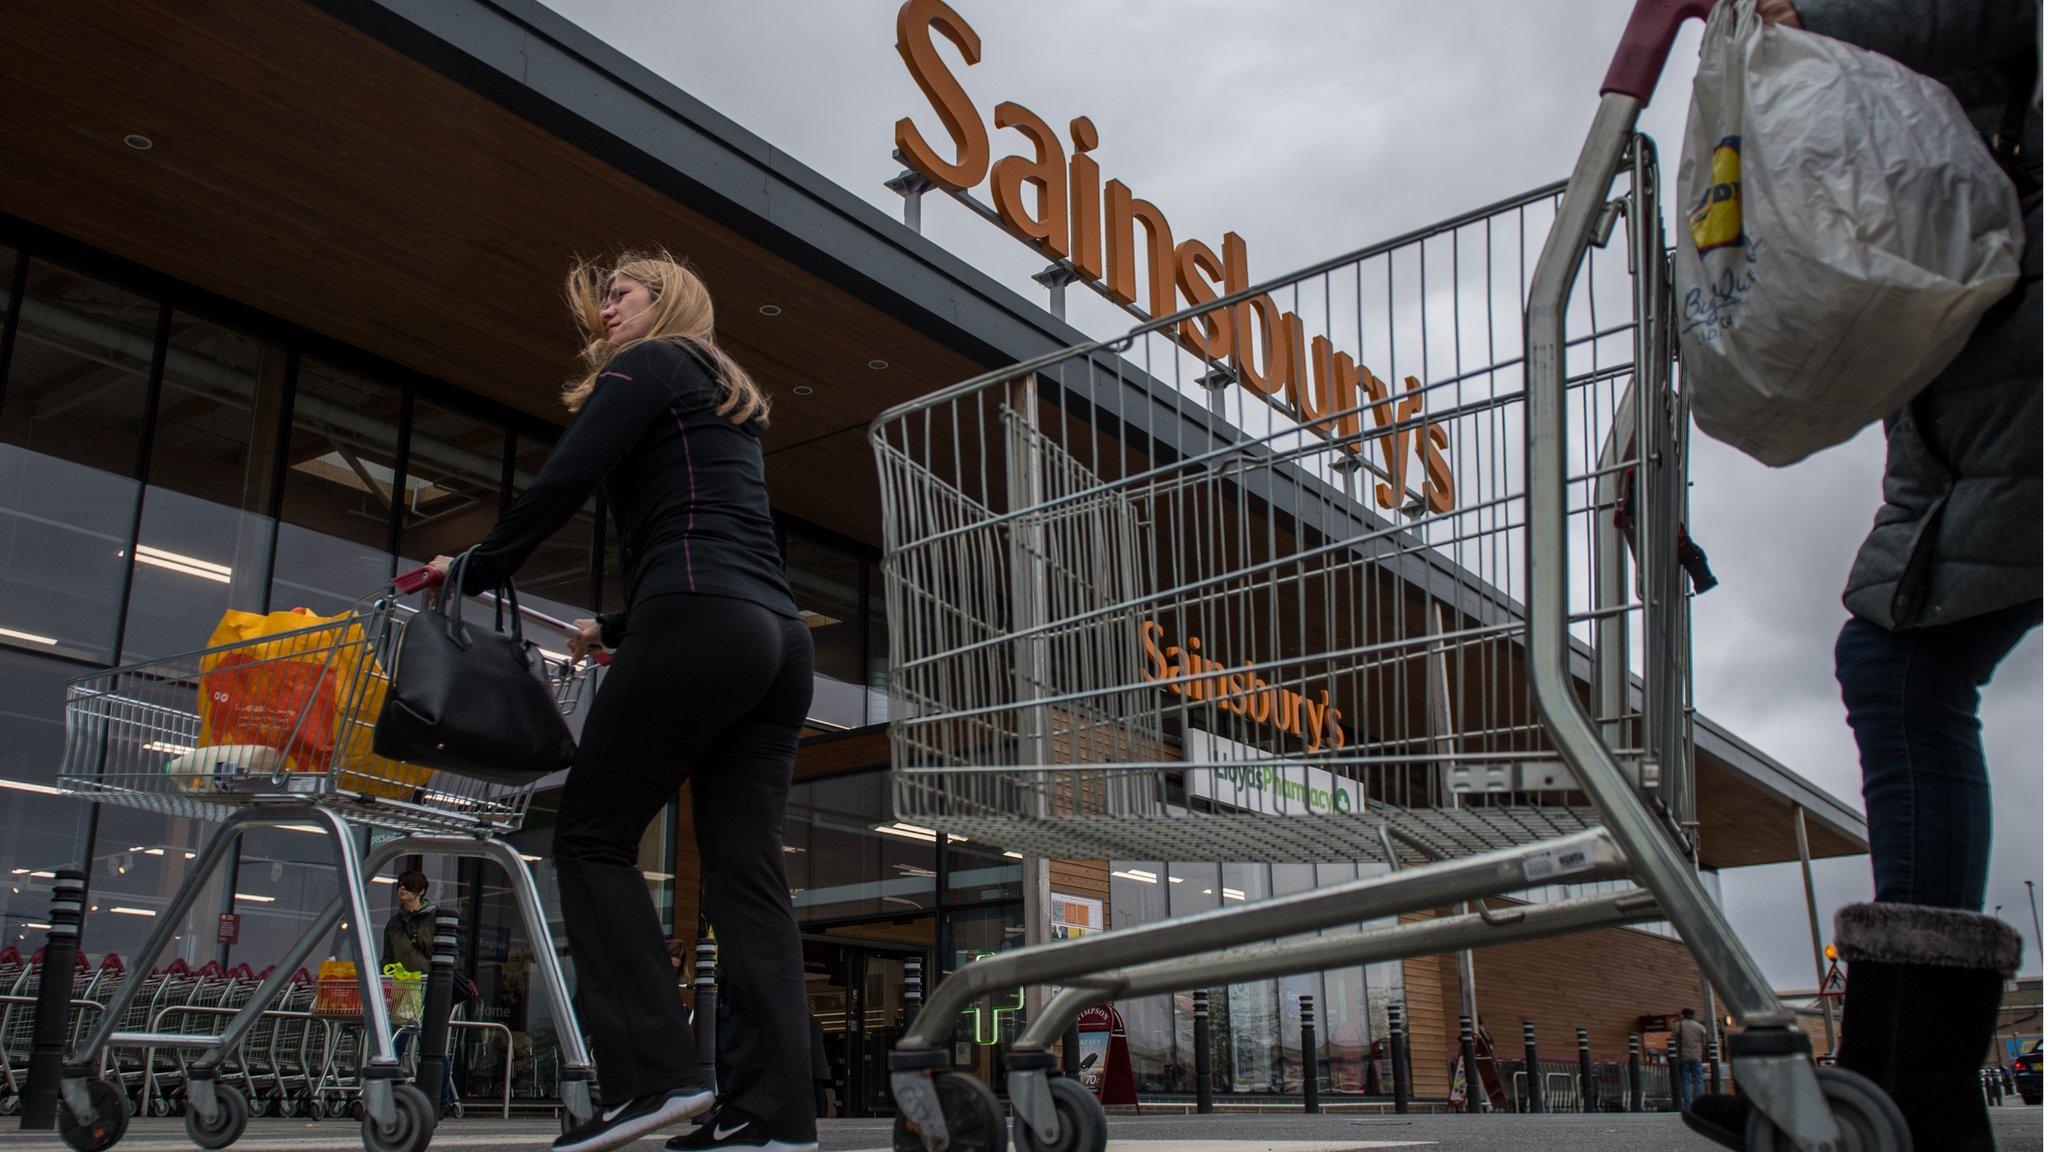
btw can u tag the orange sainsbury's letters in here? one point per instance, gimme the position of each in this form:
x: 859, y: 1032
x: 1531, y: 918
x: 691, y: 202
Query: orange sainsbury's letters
x: 1074, y: 214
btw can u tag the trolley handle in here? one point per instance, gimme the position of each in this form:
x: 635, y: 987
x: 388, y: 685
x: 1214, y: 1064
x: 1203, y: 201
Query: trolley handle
x: 1645, y: 44
x: 420, y: 579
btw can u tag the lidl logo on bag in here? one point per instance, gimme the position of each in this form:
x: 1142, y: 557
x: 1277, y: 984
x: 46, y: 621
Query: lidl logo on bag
x: 1716, y: 220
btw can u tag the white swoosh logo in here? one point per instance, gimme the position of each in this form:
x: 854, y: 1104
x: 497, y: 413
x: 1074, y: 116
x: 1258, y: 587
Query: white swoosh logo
x: 611, y: 1114
x: 721, y: 1131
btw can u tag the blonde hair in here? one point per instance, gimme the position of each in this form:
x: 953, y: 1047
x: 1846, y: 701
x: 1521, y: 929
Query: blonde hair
x: 682, y: 316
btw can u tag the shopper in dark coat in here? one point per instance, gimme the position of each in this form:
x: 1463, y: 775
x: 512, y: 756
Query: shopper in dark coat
x: 1944, y: 587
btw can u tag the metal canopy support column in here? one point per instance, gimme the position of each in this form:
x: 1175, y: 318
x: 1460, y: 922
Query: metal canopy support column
x: 1028, y: 610
x: 1820, y: 961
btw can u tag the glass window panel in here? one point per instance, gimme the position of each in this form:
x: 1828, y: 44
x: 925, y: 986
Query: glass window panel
x: 454, y: 469
x: 205, y: 538
x: 1288, y: 879
x: 876, y: 623
x: 557, y: 576
x: 847, y: 855
x: 976, y: 872
x: 826, y: 584
x: 1137, y: 895
x: 38, y: 829
x: 140, y: 860
x: 68, y: 437
x: 1341, y: 1016
x: 1248, y: 1014
x: 343, y: 449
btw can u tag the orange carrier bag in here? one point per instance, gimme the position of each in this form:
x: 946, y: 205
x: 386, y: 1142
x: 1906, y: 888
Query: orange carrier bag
x: 308, y: 686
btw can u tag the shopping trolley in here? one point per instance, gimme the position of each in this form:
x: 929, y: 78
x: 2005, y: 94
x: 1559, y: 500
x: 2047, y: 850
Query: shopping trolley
x: 1162, y: 597
x: 133, y: 736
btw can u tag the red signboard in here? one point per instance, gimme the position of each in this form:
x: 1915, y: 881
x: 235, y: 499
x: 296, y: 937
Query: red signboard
x: 1106, y: 1056
x: 230, y: 928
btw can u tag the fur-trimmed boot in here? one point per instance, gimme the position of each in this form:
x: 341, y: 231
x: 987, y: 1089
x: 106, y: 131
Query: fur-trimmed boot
x: 1924, y: 985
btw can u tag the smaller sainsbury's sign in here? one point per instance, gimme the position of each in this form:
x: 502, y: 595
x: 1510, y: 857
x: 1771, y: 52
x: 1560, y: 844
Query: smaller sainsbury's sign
x: 1184, y: 670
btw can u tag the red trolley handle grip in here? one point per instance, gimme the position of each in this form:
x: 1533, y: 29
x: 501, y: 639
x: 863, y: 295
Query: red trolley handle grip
x: 1645, y: 44
x: 417, y: 580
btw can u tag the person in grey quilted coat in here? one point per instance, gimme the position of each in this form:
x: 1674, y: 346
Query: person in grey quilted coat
x: 1944, y: 588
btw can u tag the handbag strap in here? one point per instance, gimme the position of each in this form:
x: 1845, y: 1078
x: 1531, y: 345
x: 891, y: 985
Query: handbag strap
x: 451, y: 593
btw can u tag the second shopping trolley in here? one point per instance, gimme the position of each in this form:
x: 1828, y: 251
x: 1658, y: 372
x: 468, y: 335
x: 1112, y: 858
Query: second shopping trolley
x: 1380, y: 561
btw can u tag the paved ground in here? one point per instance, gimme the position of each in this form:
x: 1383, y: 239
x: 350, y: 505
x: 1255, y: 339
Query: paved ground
x: 2019, y: 1130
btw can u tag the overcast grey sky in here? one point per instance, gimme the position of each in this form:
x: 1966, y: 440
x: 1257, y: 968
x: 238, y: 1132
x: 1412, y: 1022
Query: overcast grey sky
x: 1312, y: 127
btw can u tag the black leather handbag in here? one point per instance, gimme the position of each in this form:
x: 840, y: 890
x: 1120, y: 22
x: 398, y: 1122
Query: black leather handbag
x: 469, y: 699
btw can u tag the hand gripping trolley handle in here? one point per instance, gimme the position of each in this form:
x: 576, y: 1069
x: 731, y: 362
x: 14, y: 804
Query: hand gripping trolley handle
x: 1126, y: 627
x: 133, y: 736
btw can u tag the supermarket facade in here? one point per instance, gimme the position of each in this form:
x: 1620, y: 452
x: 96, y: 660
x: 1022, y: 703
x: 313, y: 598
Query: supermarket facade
x: 245, y: 363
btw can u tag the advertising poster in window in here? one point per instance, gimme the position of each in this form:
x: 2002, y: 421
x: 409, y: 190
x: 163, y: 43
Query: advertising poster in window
x: 1075, y: 916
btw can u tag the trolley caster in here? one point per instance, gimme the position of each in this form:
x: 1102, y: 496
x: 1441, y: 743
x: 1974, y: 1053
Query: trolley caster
x: 9, y: 1105
x: 974, y: 1120
x: 159, y: 1106
x: 259, y: 1106
x: 229, y: 1120
x: 110, y: 1123
x: 1870, y: 1122
x: 1084, y: 1127
x: 287, y: 1108
x: 412, y: 1123
x: 454, y: 1110
x: 357, y: 1109
x: 316, y: 1109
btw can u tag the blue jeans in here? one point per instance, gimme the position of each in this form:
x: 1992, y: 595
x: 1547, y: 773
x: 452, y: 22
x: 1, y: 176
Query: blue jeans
x: 1912, y: 701
x: 1692, y: 1082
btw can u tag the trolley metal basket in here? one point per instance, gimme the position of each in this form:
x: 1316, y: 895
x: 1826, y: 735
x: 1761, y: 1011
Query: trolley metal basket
x: 297, y: 754
x: 1397, y: 579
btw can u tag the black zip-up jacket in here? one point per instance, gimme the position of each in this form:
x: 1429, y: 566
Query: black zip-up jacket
x: 685, y: 486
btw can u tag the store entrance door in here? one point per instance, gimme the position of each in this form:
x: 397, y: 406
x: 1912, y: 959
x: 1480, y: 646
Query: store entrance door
x: 856, y: 996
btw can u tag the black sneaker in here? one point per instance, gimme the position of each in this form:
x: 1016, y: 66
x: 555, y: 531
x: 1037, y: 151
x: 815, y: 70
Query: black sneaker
x: 731, y: 1128
x: 629, y: 1121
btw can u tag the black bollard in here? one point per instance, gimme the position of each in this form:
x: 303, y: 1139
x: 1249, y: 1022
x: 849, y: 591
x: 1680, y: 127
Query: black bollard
x: 1070, y: 1051
x: 1635, y: 1072
x: 53, y: 1000
x: 913, y: 989
x: 432, y: 1074
x: 1589, y: 1092
x: 1677, y: 1073
x: 1205, y: 1074
x: 1309, y: 1103
x: 1397, y: 1056
x: 1713, y: 1066
x: 704, y: 1001
x: 1534, y: 1073
x: 1470, y: 1055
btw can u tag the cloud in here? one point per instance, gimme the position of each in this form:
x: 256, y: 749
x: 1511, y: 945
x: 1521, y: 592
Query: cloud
x: 1318, y: 126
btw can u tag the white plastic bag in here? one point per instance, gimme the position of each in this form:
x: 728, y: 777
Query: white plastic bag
x: 1845, y: 229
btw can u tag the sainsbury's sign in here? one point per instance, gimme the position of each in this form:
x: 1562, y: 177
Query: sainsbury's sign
x: 1078, y: 217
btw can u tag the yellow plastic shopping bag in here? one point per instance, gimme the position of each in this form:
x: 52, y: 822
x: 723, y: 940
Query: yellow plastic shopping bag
x: 306, y: 686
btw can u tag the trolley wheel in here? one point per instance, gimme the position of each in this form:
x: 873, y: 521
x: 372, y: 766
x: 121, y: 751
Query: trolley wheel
x: 357, y: 1109
x: 412, y: 1123
x: 316, y: 1109
x: 1870, y: 1122
x: 288, y: 1107
x: 260, y: 1106
x: 227, y: 1125
x: 454, y: 1109
x: 974, y: 1120
x: 104, y: 1132
x: 9, y: 1105
x: 1084, y: 1127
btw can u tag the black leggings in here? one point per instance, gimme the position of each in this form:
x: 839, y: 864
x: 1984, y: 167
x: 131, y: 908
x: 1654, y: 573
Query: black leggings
x: 712, y: 691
